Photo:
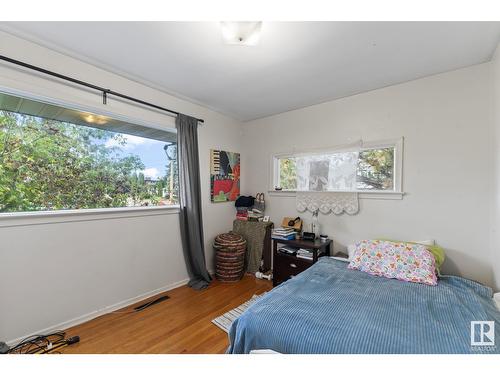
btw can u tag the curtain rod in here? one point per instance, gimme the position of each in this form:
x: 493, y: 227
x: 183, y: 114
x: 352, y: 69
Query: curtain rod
x: 105, y: 92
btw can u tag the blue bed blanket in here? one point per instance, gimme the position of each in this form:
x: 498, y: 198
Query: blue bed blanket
x: 331, y: 309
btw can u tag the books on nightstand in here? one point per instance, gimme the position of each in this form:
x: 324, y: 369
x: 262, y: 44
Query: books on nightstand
x: 282, y: 233
x: 304, y: 254
x: 288, y: 250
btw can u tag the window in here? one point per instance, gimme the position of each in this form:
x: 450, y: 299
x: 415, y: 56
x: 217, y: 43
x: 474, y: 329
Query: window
x: 51, y: 164
x: 287, y: 173
x: 375, y: 167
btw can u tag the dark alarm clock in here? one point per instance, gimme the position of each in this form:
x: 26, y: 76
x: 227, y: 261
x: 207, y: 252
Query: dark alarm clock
x: 308, y: 236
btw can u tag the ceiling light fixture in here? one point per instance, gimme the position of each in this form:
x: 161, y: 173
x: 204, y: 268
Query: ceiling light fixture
x: 241, y: 33
x: 95, y: 119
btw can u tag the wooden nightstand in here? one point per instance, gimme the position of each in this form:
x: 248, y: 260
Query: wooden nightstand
x: 285, y: 266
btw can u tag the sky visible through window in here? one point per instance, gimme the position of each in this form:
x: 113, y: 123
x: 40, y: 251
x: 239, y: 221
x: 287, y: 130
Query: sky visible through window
x: 151, y: 151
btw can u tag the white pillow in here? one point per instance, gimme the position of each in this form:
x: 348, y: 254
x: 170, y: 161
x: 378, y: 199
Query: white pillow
x: 496, y: 299
x: 352, y: 247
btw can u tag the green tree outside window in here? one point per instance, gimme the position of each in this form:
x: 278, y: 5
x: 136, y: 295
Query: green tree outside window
x: 52, y: 165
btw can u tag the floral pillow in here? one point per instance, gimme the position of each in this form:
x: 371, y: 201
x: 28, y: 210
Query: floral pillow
x: 395, y: 260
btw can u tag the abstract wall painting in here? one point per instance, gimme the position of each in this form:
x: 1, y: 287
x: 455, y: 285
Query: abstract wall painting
x: 224, y: 176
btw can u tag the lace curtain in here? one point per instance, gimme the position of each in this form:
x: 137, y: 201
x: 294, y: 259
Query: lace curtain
x: 327, y: 172
x: 319, y: 179
x: 327, y: 202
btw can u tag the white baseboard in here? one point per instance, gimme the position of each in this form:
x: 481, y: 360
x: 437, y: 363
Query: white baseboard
x: 105, y: 310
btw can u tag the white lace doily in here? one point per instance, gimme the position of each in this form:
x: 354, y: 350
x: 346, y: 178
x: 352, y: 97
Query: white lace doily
x: 328, y: 201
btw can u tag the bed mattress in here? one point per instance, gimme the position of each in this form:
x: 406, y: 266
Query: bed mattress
x: 331, y: 309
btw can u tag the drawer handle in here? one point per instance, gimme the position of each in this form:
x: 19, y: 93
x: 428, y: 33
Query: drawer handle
x: 293, y: 265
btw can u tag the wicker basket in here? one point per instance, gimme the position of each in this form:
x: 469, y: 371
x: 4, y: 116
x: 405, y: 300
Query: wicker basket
x: 229, y: 256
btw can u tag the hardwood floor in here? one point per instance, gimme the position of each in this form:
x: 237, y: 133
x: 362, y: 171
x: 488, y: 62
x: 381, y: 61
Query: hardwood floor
x: 181, y: 324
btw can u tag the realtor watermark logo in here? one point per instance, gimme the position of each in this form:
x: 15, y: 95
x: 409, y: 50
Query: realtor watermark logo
x: 482, y: 335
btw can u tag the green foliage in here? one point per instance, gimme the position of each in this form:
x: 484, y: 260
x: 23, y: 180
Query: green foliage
x: 51, y: 165
x: 376, y: 169
x: 288, y: 173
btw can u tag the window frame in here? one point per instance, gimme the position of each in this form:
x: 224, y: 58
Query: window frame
x: 25, y: 218
x: 396, y: 143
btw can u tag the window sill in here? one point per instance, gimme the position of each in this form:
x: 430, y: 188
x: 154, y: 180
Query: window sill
x: 14, y: 219
x: 393, y: 195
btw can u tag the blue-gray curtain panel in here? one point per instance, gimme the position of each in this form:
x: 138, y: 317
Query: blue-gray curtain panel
x: 191, y: 222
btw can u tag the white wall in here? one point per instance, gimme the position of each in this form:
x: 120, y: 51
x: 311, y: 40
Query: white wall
x: 447, y: 127
x: 54, y: 271
x: 495, y: 238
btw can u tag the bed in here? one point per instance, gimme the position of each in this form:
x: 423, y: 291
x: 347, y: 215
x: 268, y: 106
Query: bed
x: 332, y: 309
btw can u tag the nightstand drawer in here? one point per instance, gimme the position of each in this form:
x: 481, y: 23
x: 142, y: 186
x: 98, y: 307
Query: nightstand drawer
x: 287, y: 266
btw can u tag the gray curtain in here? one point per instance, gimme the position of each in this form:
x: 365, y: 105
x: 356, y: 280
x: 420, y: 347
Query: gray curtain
x: 191, y: 223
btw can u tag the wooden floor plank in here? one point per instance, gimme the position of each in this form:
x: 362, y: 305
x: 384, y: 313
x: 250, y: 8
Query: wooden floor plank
x: 181, y: 324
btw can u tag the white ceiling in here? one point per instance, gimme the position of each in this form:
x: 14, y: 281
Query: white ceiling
x: 296, y: 64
